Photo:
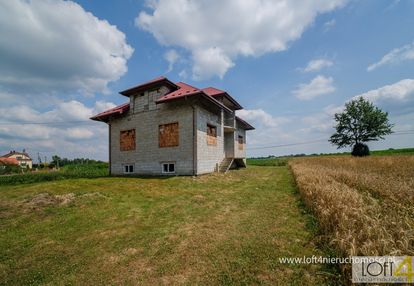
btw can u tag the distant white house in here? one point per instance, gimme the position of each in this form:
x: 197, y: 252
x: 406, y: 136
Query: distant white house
x: 22, y: 158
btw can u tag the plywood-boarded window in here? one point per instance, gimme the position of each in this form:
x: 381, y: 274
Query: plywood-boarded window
x: 168, y: 135
x: 241, y: 142
x: 127, y: 140
x: 211, y: 134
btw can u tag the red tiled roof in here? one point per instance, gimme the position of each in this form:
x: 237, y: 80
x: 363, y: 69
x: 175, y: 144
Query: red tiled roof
x: 189, y: 90
x: 162, y: 80
x: 184, y: 89
x: 247, y: 125
x: 14, y: 153
x: 8, y: 161
x: 113, y: 111
x: 212, y: 91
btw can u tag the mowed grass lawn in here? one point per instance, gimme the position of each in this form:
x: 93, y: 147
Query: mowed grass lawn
x: 213, y: 229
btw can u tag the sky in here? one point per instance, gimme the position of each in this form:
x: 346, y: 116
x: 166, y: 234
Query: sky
x: 291, y: 64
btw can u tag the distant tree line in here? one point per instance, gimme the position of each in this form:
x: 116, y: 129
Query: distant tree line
x: 60, y: 162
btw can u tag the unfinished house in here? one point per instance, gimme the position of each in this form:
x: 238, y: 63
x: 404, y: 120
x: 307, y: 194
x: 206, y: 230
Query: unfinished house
x: 175, y: 129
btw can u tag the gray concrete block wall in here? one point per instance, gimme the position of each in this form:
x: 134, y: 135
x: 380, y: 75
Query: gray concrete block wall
x: 229, y: 144
x: 148, y: 157
x: 145, y: 101
x: 239, y: 153
x: 208, y: 156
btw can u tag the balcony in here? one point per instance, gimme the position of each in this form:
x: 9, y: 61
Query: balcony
x: 229, y: 122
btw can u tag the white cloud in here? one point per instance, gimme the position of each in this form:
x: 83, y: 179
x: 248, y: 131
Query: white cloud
x: 320, y: 85
x: 321, y: 123
x: 183, y: 74
x: 315, y: 128
x: 261, y: 117
x: 208, y: 29
x: 393, y: 96
x: 332, y: 109
x: 171, y: 56
x: 317, y: 65
x: 269, y: 129
x: 392, y: 5
x: 395, y: 56
x: 63, y: 111
x: 329, y: 25
x: 101, y: 105
x: 57, y: 45
x: 210, y: 62
x: 71, y: 132
x: 399, y: 91
x: 78, y: 133
x: 53, y: 53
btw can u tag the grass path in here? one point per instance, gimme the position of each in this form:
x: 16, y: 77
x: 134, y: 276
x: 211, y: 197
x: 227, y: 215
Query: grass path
x: 214, y: 229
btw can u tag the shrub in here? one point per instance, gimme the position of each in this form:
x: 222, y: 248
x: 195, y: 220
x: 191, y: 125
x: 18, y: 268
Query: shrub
x: 68, y: 172
x: 360, y: 150
x: 9, y: 169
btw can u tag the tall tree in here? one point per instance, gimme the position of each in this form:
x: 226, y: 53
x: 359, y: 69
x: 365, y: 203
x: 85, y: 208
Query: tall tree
x: 360, y: 122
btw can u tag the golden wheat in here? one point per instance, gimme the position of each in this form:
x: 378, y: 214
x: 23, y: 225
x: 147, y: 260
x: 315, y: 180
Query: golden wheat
x: 364, y: 206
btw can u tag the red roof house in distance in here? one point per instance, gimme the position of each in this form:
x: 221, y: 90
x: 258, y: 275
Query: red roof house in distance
x: 8, y: 161
x: 175, y: 129
x: 22, y: 158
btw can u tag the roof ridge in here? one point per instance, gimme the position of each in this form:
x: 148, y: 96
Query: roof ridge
x: 118, y: 106
x: 148, y: 83
x: 214, y: 88
x: 14, y: 152
x: 184, y: 83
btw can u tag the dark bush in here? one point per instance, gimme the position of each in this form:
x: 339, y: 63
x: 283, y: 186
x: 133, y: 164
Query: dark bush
x: 360, y: 150
x: 9, y: 169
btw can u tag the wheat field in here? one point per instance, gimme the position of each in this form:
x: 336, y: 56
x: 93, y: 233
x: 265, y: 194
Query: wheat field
x: 364, y: 206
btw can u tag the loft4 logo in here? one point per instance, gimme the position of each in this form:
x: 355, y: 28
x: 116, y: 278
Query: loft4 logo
x: 382, y: 269
x: 405, y: 269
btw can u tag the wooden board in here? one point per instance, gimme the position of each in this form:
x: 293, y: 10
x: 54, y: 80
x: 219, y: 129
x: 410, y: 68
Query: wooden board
x: 127, y: 140
x: 168, y: 135
x: 241, y: 143
x: 211, y: 135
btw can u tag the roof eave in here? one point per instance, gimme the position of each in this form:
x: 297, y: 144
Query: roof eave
x: 128, y: 92
x: 98, y: 118
x: 116, y: 111
x: 245, y: 123
x: 211, y: 99
x: 238, y: 106
x: 231, y: 99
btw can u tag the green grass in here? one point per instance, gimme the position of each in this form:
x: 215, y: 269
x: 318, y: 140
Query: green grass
x: 280, y: 161
x: 403, y: 151
x: 67, y: 172
x: 214, y: 229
